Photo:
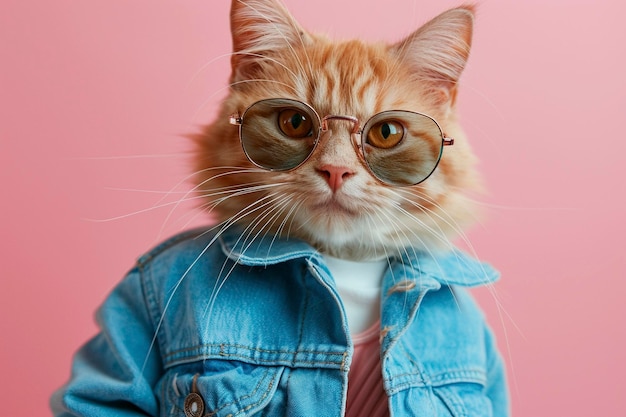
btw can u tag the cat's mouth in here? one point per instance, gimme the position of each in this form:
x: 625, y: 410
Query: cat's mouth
x: 335, y: 207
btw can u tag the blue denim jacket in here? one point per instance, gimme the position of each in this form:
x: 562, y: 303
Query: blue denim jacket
x: 221, y: 326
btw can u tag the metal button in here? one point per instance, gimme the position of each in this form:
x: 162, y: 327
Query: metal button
x: 194, y: 405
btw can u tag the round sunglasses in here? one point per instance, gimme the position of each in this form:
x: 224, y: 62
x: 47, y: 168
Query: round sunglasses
x: 399, y: 147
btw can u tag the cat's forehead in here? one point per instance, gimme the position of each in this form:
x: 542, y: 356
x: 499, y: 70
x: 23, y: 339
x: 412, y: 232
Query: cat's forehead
x: 347, y: 78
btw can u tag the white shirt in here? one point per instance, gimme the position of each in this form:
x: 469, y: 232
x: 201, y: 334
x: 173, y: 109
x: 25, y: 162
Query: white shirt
x: 359, y: 286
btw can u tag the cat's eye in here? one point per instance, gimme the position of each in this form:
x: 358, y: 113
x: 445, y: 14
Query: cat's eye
x: 385, y: 134
x: 295, y: 124
x: 268, y: 129
x: 399, y: 147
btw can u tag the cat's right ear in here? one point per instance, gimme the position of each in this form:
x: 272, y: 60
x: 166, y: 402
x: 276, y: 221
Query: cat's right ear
x: 259, y: 27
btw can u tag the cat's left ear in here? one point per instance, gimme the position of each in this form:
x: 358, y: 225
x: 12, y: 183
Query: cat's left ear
x: 438, y: 51
x: 260, y: 28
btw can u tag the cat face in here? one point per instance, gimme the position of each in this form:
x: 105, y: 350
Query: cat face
x: 333, y: 200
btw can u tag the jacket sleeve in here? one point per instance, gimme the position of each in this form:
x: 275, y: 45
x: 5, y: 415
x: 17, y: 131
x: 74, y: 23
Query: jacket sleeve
x: 114, y: 374
x: 497, y: 388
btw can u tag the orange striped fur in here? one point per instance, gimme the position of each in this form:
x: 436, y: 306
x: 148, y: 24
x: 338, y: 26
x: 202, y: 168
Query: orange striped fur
x: 274, y: 57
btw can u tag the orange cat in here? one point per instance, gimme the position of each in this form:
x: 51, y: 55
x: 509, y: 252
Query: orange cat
x: 329, y: 287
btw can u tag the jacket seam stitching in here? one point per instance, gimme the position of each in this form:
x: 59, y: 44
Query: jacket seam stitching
x: 272, y: 362
x: 253, y: 349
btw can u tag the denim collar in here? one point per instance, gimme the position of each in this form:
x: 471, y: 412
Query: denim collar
x: 451, y: 267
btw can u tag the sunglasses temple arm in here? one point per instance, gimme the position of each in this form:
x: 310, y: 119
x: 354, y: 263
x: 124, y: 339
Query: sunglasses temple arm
x: 448, y: 141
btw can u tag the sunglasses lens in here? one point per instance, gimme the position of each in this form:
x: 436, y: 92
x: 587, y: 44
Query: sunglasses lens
x: 401, y: 147
x: 279, y: 134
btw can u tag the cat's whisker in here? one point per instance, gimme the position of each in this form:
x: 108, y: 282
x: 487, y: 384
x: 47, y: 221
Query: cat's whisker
x: 247, y: 232
x: 502, y: 312
x: 263, y: 80
x: 291, y: 209
x: 397, y: 65
x: 237, y: 53
x: 142, y: 211
x: 205, y: 66
x: 144, y: 191
x: 296, y: 207
x: 122, y: 157
x: 156, y: 205
x: 269, y: 207
x: 174, y: 289
x: 187, y: 197
x: 390, y: 218
x: 230, y: 171
x: 277, y: 28
x: 267, y: 58
x: 276, y: 208
x: 233, y: 84
x: 286, y: 203
x: 240, y: 192
x: 449, y: 221
x: 516, y: 208
x: 191, y: 216
x: 187, y: 178
x: 374, y: 236
x: 439, y: 235
x: 300, y: 35
x: 234, y: 220
x: 207, y: 208
x: 400, y: 246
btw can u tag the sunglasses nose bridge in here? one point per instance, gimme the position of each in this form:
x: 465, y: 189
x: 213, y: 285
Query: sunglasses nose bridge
x: 340, y: 147
x: 351, y: 119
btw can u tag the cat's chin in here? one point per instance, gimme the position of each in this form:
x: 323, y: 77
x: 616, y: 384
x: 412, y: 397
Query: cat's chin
x: 349, y: 233
x: 339, y: 231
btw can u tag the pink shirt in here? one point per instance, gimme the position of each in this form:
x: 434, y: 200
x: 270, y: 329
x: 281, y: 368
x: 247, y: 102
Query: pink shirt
x: 366, y: 396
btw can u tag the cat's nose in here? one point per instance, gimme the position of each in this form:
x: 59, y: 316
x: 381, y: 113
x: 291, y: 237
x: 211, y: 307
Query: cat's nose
x: 335, y: 175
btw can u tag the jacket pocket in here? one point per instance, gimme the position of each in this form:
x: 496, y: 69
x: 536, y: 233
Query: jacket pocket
x: 218, y: 388
x: 464, y: 400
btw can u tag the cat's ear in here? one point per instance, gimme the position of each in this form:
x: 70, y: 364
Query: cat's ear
x: 438, y: 51
x: 259, y: 27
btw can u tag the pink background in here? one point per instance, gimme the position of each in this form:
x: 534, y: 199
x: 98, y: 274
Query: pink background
x: 94, y: 98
